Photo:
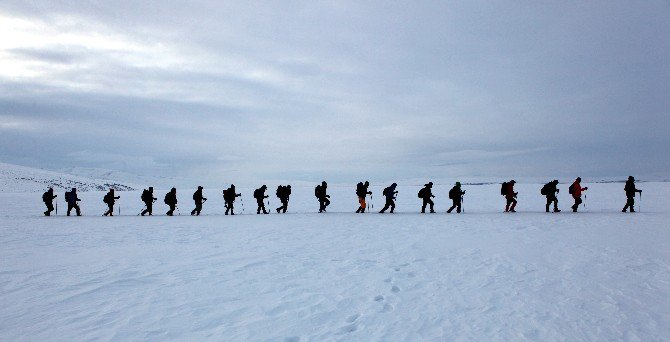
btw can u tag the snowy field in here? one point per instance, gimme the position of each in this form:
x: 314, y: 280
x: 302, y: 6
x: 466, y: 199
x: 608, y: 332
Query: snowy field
x: 483, y: 275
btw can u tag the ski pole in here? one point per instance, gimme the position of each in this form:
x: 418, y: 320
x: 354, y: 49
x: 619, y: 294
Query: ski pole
x: 639, y: 207
x: 372, y: 204
x: 178, y: 212
x: 242, y: 201
x: 119, y: 207
x: 584, y: 201
x: 462, y: 204
x: 141, y: 211
x: 56, y: 208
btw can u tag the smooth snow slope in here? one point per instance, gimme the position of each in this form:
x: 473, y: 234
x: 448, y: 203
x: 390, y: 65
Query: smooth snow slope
x: 482, y: 275
x: 15, y: 178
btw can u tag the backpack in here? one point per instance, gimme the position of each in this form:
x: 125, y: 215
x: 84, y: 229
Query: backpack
x: 145, y: 196
x: 107, y: 198
x: 45, y: 197
x: 544, y: 189
x: 422, y: 193
x: 167, y: 199
x: 571, y: 189
x: 503, y: 189
x: 68, y: 196
x: 360, y: 189
x: 258, y: 194
x: 280, y: 190
x: 317, y: 191
x: 194, y: 196
x: 386, y: 192
x: 452, y: 193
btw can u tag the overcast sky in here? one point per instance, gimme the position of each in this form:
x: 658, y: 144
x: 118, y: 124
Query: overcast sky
x: 339, y: 90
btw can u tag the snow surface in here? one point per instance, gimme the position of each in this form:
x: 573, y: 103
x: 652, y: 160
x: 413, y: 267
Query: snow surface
x: 483, y: 275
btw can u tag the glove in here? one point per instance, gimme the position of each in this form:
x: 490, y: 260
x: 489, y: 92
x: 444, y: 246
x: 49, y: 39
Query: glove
x: 586, y: 188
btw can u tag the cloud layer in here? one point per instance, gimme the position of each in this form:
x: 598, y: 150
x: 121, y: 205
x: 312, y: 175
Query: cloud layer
x: 311, y: 90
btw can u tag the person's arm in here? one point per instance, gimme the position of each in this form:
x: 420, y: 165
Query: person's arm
x: 54, y: 196
x: 117, y: 197
x: 238, y: 195
x: 369, y: 192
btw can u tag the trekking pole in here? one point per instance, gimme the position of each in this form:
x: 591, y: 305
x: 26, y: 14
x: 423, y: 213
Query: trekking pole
x: 463, y: 204
x: 372, y: 204
x: 639, y: 207
x: 584, y: 201
x: 242, y: 201
x: 141, y: 211
x: 56, y: 208
x: 178, y: 211
x: 119, y: 207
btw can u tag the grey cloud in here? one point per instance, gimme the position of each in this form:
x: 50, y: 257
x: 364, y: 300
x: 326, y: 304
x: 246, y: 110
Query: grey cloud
x: 402, y: 89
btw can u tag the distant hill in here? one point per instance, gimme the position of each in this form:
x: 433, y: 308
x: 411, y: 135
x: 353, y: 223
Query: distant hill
x: 15, y: 178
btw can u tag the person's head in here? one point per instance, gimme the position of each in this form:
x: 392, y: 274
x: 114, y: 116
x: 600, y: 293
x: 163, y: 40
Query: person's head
x: 458, y: 184
x: 429, y: 185
x: 199, y: 187
x: 151, y: 189
x: 631, y: 178
x: 74, y: 189
x: 394, y: 185
x: 173, y: 190
x: 288, y: 186
x: 51, y: 190
x: 111, y: 190
x: 324, y: 184
x: 513, y: 181
x: 555, y: 181
x: 264, y: 187
x: 232, y: 186
x: 367, y: 183
x: 579, y: 179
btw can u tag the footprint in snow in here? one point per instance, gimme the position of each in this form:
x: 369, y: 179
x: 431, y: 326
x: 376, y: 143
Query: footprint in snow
x: 379, y: 298
x: 395, y: 289
x: 353, y: 318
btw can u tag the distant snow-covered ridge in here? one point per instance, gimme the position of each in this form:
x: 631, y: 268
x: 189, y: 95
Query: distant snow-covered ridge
x: 15, y: 178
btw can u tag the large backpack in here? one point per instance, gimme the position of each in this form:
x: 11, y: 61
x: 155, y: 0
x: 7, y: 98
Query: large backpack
x: 68, y: 196
x: 167, y: 199
x: 317, y: 191
x: 146, y: 197
x: 544, y: 190
x: 280, y: 190
x: 422, y: 193
x: 360, y: 189
x: 46, y: 197
x: 386, y: 191
x: 503, y: 189
x: 452, y: 193
x: 107, y: 199
x: 571, y: 189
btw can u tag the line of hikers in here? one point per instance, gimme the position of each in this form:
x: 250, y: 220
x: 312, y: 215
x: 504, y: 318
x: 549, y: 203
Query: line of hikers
x: 283, y: 192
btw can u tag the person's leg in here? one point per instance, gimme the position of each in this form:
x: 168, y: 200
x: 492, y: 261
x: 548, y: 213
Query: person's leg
x: 453, y: 205
x: 392, y: 206
x: 77, y: 209
x: 549, y: 200
x: 556, y: 204
x: 430, y: 201
x: 513, y: 206
x: 507, y: 199
x: 150, y: 208
x: 285, y: 205
x: 50, y: 208
x: 458, y: 206
x: 423, y: 206
x: 632, y: 204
